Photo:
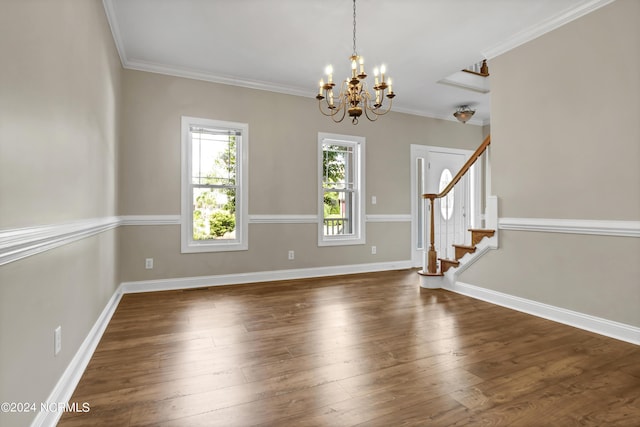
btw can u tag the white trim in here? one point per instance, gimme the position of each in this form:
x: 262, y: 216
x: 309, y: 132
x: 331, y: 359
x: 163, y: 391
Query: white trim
x: 20, y: 243
x: 587, y: 322
x: 69, y: 380
x: 283, y: 219
x: 570, y: 14
x: 359, y: 179
x: 259, y: 276
x: 110, y: 12
x: 572, y: 226
x: 241, y: 240
x: 150, y: 220
x: 16, y: 244
x: 213, y: 78
x: 389, y: 218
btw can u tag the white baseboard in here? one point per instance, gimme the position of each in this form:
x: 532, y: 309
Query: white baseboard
x: 259, y: 276
x: 67, y: 383
x: 587, y: 322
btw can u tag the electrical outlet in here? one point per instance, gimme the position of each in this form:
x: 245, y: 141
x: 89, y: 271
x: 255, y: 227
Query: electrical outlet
x: 292, y: 255
x: 374, y: 250
x: 148, y: 263
x: 57, y: 340
x: 374, y: 200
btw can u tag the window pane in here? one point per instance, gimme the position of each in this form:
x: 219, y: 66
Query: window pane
x: 214, y: 213
x: 213, y: 157
x: 338, y: 213
x: 337, y: 163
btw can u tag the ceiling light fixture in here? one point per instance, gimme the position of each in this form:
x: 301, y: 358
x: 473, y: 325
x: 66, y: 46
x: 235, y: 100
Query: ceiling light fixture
x: 354, y: 98
x: 464, y: 113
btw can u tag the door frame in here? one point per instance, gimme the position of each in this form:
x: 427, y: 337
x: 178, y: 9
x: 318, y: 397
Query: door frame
x: 472, y: 197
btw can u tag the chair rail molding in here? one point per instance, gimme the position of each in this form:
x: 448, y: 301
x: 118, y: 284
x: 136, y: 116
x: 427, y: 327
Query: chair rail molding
x: 572, y: 226
x: 150, y: 220
x: 20, y: 243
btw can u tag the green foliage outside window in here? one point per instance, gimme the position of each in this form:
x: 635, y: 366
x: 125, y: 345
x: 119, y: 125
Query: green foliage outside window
x: 333, y: 166
x: 214, y: 214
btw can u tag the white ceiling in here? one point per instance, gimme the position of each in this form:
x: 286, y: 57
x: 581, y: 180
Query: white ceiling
x: 284, y: 45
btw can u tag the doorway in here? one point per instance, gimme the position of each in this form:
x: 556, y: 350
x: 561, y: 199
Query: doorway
x: 432, y: 168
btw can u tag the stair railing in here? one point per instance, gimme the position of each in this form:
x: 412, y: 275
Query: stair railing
x: 432, y: 254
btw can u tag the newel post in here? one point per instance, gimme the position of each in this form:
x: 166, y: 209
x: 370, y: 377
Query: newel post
x: 432, y: 256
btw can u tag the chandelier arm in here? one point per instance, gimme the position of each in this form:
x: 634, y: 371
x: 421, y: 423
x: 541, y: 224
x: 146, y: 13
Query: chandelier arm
x: 344, y: 113
x: 367, y: 108
x: 330, y: 112
x: 379, y: 112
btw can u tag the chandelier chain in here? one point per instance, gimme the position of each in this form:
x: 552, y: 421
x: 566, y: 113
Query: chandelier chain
x: 355, y: 53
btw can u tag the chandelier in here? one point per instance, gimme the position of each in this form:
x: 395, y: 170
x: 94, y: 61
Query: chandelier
x: 354, y: 98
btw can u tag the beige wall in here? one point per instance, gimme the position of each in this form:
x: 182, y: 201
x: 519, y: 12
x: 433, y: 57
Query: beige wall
x: 556, y: 112
x: 60, y: 90
x: 566, y: 144
x: 283, y: 133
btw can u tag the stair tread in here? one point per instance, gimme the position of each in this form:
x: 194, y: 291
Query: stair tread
x: 452, y: 261
x: 464, y: 246
x: 481, y: 229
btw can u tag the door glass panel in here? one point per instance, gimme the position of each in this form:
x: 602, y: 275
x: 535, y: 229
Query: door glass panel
x: 420, y: 187
x: 446, y: 203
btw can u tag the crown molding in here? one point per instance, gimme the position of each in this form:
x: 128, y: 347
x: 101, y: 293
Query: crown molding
x: 110, y: 12
x: 546, y: 26
x: 213, y: 78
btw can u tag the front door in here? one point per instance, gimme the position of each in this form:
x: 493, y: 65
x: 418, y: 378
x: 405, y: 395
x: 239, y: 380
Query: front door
x: 432, y: 169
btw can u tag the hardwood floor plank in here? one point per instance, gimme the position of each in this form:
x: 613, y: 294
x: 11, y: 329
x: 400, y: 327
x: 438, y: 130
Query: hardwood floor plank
x: 261, y: 411
x: 370, y: 349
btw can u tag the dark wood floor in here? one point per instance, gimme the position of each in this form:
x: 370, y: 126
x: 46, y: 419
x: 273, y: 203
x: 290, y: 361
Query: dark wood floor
x: 368, y: 349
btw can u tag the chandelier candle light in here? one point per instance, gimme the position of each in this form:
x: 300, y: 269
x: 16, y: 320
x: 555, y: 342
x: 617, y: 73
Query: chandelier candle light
x: 354, y: 98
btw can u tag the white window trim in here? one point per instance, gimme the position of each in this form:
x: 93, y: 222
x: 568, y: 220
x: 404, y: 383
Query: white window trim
x: 240, y: 243
x: 359, y: 236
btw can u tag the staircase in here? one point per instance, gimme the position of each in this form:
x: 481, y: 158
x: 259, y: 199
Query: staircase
x: 442, y: 272
x: 461, y: 250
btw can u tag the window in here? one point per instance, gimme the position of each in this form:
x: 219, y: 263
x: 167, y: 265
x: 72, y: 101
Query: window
x: 214, y: 184
x: 341, y: 190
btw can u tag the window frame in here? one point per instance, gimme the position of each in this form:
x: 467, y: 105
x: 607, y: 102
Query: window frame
x: 358, y: 143
x: 187, y: 243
